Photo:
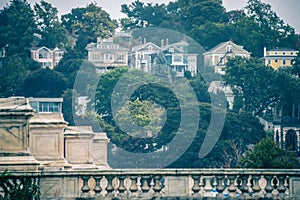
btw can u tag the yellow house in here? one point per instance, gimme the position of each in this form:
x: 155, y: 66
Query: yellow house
x: 279, y: 57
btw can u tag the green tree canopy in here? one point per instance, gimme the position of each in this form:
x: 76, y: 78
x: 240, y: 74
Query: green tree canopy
x: 44, y: 83
x: 17, y: 26
x: 266, y: 154
x: 52, y: 32
x: 252, y: 82
x: 88, y: 23
x: 14, y: 70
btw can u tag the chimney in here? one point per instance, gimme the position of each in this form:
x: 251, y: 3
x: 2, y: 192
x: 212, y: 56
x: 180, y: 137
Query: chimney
x: 167, y: 42
x: 265, y: 51
x: 162, y: 43
x: 99, y: 39
x: 145, y: 41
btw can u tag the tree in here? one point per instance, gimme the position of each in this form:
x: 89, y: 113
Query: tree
x: 266, y: 154
x: 88, y: 24
x: 141, y: 15
x: 181, y: 15
x: 44, y: 83
x: 239, y: 131
x: 17, y: 27
x: 14, y: 70
x: 105, y: 89
x: 80, y: 70
x: 271, y: 28
x: 140, y: 118
x: 52, y: 32
x: 252, y: 82
x: 69, y: 105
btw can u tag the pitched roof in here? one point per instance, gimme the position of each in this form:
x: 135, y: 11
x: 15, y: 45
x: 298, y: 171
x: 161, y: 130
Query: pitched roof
x: 282, y: 49
x: 142, y: 46
x: 222, y: 44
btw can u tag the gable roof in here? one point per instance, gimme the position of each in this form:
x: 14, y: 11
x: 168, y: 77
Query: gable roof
x: 282, y: 49
x: 222, y: 45
x: 46, y: 48
x: 143, y: 46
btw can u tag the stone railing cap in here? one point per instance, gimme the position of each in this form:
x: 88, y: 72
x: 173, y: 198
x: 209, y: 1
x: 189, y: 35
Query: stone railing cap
x: 47, y: 118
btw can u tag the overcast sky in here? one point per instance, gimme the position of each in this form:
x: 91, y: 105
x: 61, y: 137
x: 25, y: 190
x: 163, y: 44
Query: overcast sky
x: 286, y: 9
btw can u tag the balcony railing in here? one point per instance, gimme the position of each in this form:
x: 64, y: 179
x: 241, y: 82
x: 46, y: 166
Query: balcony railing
x: 152, y: 183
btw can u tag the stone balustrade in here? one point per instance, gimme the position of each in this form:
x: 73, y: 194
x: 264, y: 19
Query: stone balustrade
x: 152, y: 183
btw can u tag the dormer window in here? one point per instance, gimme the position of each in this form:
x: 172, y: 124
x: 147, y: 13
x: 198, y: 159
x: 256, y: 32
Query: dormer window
x: 229, y: 48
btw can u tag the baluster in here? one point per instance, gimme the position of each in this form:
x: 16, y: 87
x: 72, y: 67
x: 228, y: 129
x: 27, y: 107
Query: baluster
x: 214, y: 190
x: 207, y: 186
x: 196, y: 187
x: 98, y: 188
x: 269, y: 188
x: 157, y: 185
x: 145, y: 181
x: 202, y: 191
x: 109, y: 187
x: 232, y: 187
x: 133, y: 187
x: 145, y: 186
x: 121, y: 187
x: 281, y: 188
x: 286, y: 185
x: 85, y: 189
x: 244, y: 187
x: 220, y: 185
x: 256, y: 187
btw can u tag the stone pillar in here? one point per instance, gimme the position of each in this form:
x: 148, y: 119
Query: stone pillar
x: 99, y: 150
x: 78, y: 146
x: 47, y: 140
x: 15, y: 114
x: 284, y: 131
x: 298, y: 140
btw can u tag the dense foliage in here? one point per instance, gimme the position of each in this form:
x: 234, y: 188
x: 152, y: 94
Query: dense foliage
x: 266, y: 154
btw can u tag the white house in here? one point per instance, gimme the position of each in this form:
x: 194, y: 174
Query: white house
x: 176, y: 56
x: 47, y: 57
x: 217, y: 57
x: 106, y: 54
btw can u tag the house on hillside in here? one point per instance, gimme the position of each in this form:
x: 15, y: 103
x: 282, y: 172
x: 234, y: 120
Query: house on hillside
x: 217, y: 57
x: 145, y: 55
x: 106, y: 55
x: 179, y: 59
x: 47, y: 57
x: 141, y: 56
x: 279, y: 57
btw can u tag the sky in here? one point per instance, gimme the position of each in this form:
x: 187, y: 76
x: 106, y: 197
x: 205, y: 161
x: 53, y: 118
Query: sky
x: 285, y: 9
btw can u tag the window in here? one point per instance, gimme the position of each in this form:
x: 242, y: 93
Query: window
x: 177, y: 58
x: 108, y: 57
x: 229, y: 48
x: 120, y: 57
x: 283, y: 62
x: 95, y: 57
x: 49, y: 107
x: 283, y: 53
x: 291, y: 140
x: 276, y: 60
x: 34, y: 105
x: 269, y: 62
x: 43, y: 54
